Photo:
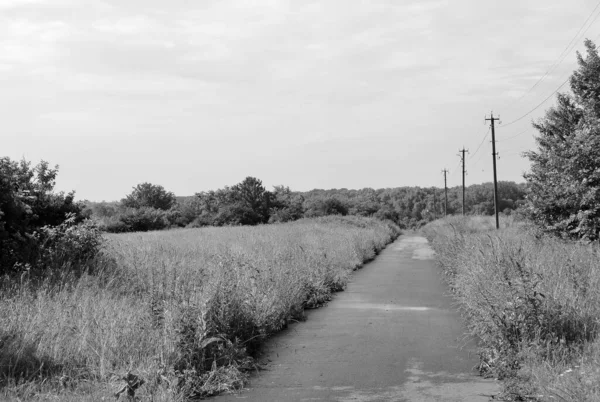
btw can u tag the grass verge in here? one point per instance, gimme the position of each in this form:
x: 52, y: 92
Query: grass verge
x: 184, y: 310
x: 532, y: 301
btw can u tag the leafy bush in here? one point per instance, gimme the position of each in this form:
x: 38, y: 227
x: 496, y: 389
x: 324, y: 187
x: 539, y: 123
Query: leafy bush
x: 27, y: 204
x: 113, y: 224
x: 68, y: 244
x: 236, y: 214
x: 144, y: 219
x: 286, y: 206
x: 325, y: 206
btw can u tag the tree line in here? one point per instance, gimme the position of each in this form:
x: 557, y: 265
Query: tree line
x: 151, y: 207
x: 561, y: 193
x: 39, y: 227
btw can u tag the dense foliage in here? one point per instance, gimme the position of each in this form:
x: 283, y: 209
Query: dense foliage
x: 37, y: 225
x: 150, y: 196
x: 564, y: 179
x: 249, y: 203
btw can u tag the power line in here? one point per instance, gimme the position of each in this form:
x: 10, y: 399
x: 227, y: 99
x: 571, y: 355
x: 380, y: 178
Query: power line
x: 478, y: 160
x: 509, y: 155
x: 535, y: 108
x: 455, y: 167
x: 482, y: 141
x: 512, y: 150
x: 561, y: 58
x: 515, y: 136
x: 565, y: 52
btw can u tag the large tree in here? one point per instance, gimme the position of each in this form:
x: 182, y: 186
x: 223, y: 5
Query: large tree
x: 151, y: 196
x: 253, y: 198
x: 564, y: 181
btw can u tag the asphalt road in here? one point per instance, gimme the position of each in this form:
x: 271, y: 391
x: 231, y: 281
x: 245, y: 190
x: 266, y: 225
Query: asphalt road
x: 393, y: 335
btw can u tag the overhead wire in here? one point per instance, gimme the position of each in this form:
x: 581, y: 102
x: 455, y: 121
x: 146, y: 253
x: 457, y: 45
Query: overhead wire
x: 480, y: 144
x: 478, y: 160
x: 511, y: 150
x: 537, y: 107
x: 511, y: 154
x: 455, y: 168
x: 567, y: 50
x: 515, y: 136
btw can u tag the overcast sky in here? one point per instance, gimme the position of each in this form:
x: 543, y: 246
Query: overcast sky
x: 196, y: 95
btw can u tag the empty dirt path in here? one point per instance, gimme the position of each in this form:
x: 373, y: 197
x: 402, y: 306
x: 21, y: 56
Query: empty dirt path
x: 393, y: 335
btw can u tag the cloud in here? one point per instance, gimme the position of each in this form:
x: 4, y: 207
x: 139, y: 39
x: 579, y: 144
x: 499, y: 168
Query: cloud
x: 130, y: 26
x: 12, y: 4
x: 269, y: 43
x: 271, y: 71
x: 25, y: 43
x: 76, y: 116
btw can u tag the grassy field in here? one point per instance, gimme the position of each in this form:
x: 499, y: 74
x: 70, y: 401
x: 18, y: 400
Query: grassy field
x: 532, y: 301
x: 184, y: 310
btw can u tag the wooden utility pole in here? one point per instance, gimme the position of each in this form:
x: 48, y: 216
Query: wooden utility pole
x: 462, y: 158
x: 445, y: 172
x: 492, y: 119
x: 435, y: 211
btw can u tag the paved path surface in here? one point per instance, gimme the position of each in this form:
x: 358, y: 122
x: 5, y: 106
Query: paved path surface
x: 393, y: 335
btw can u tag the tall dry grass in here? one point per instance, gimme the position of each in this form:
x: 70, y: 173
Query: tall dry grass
x: 183, y: 309
x: 533, y: 302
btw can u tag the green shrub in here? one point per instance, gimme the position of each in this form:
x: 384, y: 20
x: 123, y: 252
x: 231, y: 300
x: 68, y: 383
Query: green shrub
x: 144, y: 219
x: 28, y: 204
x: 236, y: 214
x: 113, y: 224
x: 325, y: 206
x: 69, y: 244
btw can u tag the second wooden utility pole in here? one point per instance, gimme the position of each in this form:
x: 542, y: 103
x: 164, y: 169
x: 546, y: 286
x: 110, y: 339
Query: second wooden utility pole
x: 445, y: 172
x: 462, y: 158
x: 492, y: 119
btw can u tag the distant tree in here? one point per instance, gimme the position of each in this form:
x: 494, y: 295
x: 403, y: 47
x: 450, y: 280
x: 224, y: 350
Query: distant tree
x: 251, y: 193
x: 365, y: 203
x: 235, y: 214
x: 102, y: 209
x: 564, y: 181
x: 149, y: 195
x: 388, y: 213
x: 325, y: 206
x: 285, y: 205
x: 144, y: 219
x: 253, y: 199
x: 190, y: 208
